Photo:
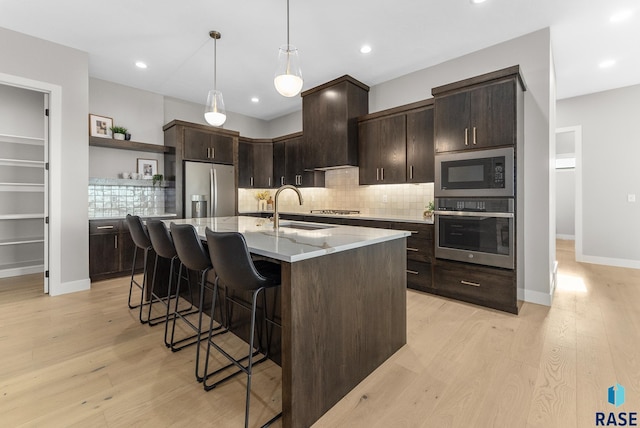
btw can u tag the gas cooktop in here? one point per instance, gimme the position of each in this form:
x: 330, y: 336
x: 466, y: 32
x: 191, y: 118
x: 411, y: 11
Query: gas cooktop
x: 339, y: 212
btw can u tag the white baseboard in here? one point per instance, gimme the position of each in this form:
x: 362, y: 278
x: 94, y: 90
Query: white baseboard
x: 70, y: 287
x: 565, y: 237
x: 537, y: 297
x: 625, y: 263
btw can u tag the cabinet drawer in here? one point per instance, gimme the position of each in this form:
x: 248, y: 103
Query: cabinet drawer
x: 420, y: 243
x: 419, y: 276
x: 494, y: 288
x: 104, y: 226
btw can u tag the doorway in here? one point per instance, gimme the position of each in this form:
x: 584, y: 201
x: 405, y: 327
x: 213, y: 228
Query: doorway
x: 569, y: 186
x: 24, y: 189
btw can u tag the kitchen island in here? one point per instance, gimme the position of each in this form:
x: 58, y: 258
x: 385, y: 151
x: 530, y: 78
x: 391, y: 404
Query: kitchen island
x: 343, y: 304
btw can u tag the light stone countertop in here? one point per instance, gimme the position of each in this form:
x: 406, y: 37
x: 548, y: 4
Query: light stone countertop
x: 379, y: 217
x: 291, y: 244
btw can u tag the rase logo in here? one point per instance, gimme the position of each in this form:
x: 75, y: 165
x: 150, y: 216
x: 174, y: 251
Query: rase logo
x: 615, y: 396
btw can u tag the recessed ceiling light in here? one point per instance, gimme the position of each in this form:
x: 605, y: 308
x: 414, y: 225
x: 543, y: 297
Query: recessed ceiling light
x: 621, y: 16
x: 255, y: 99
x: 365, y: 49
x: 608, y: 63
x: 141, y: 64
x: 477, y: 1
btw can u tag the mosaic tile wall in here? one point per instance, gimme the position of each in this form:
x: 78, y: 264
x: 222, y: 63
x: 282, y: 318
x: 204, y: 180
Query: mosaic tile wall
x: 109, y: 200
x: 343, y: 192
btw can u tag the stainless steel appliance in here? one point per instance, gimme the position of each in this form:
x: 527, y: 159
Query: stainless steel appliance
x: 479, y: 231
x: 216, y: 182
x: 488, y: 173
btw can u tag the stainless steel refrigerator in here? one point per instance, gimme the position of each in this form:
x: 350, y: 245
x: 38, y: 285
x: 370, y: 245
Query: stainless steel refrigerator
x: 213, y: 181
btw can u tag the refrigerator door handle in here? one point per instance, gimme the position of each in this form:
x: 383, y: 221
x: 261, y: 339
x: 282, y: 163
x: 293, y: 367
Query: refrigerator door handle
x: 213, y: 181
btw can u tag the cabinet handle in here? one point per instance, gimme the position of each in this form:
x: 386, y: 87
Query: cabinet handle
x: 474, y: 135
x: 377, y: 174
x: 412, y: 249
x: 411, y: 172
x: 269, y: 181
x: 115, y: 241
x: 251, y: 181
x: 208, y: 152
x: 474, y: 284
x: 213, y: 152
x: 104, y: 227
x: 381, y: 174
x: 413, y: 272
x: 466, y: 136
x: 282, y: 180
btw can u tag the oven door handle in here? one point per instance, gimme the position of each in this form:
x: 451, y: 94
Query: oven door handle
x: 474, y: 214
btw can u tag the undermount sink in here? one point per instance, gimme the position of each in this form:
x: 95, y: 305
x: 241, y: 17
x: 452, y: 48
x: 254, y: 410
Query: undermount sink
x: 305, y: 226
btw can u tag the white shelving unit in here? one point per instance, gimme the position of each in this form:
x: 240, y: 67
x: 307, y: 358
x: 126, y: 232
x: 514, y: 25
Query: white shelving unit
x: 22, y: 205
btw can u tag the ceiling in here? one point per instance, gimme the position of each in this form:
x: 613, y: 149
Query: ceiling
x: 405, y: 36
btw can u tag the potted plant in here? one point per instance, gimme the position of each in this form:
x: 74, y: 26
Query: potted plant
x: 157, y: 178
x: 118, y: 132
x: 428, y: 212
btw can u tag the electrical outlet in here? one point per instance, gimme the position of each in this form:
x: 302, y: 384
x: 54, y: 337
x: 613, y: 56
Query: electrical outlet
x: 631, y: 197
x: 385, y: 199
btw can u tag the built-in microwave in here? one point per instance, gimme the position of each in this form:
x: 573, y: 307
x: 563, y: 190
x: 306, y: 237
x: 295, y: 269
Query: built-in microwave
x: 476, y: 173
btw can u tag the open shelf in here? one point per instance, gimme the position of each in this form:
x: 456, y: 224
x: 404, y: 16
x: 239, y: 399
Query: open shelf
x: 17, y: 139
x: 22, y: 162
x: 21, y: 187
x: 129, y: 145
x: 20, y: 241
x: 21, y: 216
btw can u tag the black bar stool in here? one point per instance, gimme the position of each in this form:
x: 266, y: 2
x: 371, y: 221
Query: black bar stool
x: 141, y: 240
x: 237, y: 271
x: 163, y: 246
x: 193, y: 257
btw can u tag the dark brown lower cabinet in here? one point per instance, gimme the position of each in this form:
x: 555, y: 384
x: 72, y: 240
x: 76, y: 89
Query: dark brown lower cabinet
x: 111, y: 250
x: 491, y: 287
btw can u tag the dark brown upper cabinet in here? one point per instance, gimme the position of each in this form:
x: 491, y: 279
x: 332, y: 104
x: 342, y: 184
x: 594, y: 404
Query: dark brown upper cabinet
x: 207, y: 146
x: 329, y: 122
x: 255, y: 163
x: 396, y: 145
x: 288, y: 161
x: 477, y: 113
x: 420, y: 155
x: 383, y: 150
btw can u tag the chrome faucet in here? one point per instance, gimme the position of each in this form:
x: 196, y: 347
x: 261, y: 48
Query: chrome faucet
x: 276, y: 219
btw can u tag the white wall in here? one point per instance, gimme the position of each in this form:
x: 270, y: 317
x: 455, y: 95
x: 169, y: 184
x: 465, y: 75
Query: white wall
x: 64, y: 71
x: 533, y: 53
x: 610, y: 158
x: 565, y: 203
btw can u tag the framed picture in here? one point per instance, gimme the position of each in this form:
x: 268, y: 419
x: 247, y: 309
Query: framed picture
x: 100, y: 126
x: 147, y: 168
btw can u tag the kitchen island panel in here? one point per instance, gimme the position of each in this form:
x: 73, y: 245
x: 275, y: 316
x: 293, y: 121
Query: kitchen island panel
x: 343, y: 315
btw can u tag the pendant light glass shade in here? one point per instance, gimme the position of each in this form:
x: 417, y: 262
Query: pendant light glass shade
x: 215, y: 113
x: 288, y: 80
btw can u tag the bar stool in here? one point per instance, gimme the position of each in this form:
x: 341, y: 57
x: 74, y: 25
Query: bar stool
x: 237, y: 271
x: 193, y: 257
x: 141, y: 240
x: 163, y: 246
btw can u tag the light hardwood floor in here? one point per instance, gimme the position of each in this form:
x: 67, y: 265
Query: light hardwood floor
x: 84, y: 360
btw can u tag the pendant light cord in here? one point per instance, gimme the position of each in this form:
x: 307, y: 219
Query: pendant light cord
x: 288, y: 26
x: 215, y: 68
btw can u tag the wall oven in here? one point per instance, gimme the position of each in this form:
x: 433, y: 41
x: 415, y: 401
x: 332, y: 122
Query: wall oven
x: 487, y: 173
x: 479, y: 231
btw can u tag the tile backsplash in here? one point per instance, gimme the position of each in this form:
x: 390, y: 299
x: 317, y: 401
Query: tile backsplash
x: 342, y: 191
x: 110, y: 198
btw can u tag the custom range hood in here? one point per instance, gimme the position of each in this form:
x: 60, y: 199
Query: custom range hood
x: 330, y: 123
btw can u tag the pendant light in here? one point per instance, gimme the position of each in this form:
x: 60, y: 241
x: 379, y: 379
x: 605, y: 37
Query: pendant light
x: 288, y: 80
x: 215, y: 114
